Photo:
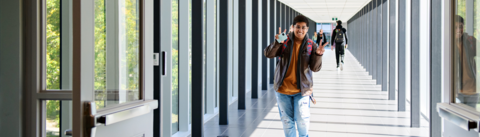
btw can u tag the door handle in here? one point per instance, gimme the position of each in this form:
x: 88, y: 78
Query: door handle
x: 68, y: 132
x: 163, y: 63
x: 105, y: 117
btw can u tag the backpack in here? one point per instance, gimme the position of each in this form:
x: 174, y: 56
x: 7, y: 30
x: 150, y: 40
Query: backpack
x: 339, y: 37
x: 309, y: 45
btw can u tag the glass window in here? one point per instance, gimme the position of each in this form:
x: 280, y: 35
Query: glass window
x: 116, y: 52
x: 53, y: 49
x: 52, y: 121
x: 175, y: 66
x: 57, y: 117
x: 466, y: 31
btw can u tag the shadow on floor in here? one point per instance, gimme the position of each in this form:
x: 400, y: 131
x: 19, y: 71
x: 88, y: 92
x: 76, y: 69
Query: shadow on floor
x: 243, y: 122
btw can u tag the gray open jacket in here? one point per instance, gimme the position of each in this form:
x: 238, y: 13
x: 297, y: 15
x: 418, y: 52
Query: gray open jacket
x: 306, y: 63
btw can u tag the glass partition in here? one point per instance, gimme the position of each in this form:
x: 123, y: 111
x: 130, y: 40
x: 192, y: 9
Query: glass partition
x: 466, y: 31
x: 117, y: 52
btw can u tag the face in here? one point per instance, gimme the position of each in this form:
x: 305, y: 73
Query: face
x: 300, y: 30
x: 458, y: 29
x: 321, y: 31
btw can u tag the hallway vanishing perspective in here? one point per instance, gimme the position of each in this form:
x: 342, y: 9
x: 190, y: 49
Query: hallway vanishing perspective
x: 349, y: 104
x: 206, y: 68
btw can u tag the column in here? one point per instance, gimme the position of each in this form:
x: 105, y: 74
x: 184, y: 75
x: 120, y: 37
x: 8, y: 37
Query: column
x: 242, y: 48
x: 385, y: 46
x: 197, y: 68
x: 379, y: 42
x: 273, y: 10
x: 263, y: 44
x: 415, y: 65
x: 374, y: 33
x: 223, y: 52
x: 392, y: 51
x: 255, y: 50
x: 436, y: 66
x: 401, y: 55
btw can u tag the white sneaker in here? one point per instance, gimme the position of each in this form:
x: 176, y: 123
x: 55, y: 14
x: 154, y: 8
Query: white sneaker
x: 341, y: 66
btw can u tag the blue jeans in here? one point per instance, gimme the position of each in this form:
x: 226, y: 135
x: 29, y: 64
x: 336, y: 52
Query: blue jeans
x: 294, y: 108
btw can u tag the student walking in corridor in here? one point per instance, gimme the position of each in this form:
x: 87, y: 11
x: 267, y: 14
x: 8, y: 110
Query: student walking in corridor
x: 299, y: 57
x: 339, y: 38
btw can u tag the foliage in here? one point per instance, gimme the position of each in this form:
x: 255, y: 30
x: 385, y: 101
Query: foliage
x: 53, y: 44
x: 128, y: 51
x: 175, y: 65
x: 100, y: 53
x: 53, y: 57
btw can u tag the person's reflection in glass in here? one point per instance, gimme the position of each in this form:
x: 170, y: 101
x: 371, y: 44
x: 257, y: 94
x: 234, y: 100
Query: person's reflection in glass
x: 465, y: 52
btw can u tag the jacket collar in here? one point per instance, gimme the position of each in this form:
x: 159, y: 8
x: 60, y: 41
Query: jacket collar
x: 292, y: 38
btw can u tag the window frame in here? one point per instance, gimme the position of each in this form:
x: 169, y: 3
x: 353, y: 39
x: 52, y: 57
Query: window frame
x: 36, y: 92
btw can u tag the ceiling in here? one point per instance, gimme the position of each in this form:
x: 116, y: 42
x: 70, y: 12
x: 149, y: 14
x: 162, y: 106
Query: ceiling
x: 324, y: 10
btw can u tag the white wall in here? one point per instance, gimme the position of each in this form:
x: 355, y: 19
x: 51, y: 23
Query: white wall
x: 11, y: 68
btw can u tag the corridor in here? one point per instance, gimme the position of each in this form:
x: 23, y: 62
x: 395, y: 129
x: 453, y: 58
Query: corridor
x: 349, y: 104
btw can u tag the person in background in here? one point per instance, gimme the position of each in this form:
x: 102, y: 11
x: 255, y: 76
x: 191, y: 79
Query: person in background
x: 314, y: 38
x: 323, y: 37
x: 299, y: 57
x: 339, y: 37
x: 465, y: 65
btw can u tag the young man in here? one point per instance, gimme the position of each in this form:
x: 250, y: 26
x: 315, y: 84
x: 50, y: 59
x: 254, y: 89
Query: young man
x: 339, y: 37
x: 299, y: 57
x: 465, y: 65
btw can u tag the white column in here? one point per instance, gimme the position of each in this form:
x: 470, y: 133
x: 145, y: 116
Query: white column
x: 210, y: 63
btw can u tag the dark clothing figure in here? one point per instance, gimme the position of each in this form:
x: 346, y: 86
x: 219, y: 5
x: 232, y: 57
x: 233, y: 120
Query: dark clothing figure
x: 339, y: 52
x: 321, y: 36
x: 335, y: 34
x: 339, y: 47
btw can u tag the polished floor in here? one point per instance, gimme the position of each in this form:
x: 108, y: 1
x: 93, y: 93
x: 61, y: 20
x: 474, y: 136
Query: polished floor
x: 349, y: 104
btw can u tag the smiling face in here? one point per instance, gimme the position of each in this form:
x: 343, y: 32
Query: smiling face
x: 300, y: 29
x: 458, y: 29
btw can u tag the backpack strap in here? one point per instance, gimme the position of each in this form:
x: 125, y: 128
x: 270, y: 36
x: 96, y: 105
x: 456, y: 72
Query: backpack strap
x: 284, y: 46
x: 309, y: 47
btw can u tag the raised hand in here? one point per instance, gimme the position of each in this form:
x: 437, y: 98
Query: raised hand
x: 321, y: 48
x: 280, y: 32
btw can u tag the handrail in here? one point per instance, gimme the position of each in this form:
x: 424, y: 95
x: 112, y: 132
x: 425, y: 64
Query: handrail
x: 460, y: 115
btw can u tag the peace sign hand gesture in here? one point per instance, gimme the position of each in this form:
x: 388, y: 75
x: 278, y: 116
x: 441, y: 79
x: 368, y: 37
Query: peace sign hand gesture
x: 321, y: 48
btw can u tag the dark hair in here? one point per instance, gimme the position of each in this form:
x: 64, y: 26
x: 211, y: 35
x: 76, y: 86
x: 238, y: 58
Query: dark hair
x: 339, y: 22
x: 300, y: 18
x: 459, y: 19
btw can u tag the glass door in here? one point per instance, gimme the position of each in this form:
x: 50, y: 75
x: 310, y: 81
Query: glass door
x: 111, y: 94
